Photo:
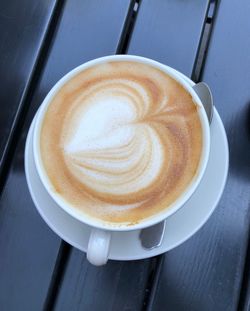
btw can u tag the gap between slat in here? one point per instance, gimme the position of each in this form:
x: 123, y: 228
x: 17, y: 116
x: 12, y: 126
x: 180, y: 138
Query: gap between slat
x: 154, y: 276
x: 22, y: 110
x: 156, y: 262
x: 65, y: 248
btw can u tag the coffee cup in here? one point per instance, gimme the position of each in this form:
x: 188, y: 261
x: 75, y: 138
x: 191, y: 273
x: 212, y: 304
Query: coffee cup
x: 120, y: 143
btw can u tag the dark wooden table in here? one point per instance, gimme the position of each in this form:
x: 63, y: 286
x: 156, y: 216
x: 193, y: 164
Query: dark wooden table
x: 40, y: 41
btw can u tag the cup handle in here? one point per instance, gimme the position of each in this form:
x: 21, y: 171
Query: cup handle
x: 98, y: 247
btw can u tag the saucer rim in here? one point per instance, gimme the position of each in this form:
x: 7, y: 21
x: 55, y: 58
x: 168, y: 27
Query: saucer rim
x: 156, y: 251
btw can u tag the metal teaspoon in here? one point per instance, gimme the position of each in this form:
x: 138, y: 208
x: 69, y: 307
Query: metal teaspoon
x: 152, y: 237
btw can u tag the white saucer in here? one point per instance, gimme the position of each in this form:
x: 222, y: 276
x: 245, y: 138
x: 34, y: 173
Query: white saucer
x: 126, y: 245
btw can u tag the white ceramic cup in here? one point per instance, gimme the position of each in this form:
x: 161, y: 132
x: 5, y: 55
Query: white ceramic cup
x: 101, y: 234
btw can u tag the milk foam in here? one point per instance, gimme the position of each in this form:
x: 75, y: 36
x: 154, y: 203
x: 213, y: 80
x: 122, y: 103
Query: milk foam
x: 121, y: 141
x: 110, y: 150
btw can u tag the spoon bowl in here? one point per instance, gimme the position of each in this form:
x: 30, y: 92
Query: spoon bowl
x: 152, y: 237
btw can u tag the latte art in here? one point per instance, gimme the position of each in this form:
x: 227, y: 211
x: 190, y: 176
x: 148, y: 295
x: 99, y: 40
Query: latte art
x: 121, y: 141
x: 114, y: 150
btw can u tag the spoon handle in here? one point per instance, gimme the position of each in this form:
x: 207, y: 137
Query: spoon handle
x: 151, y: 237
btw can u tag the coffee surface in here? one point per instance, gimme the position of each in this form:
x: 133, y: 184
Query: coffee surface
x: 121, y: 141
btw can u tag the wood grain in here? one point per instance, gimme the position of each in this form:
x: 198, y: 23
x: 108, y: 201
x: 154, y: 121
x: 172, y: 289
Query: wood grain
x: 28, y: 247
x: 169, y: 31
x: 23, y: 30
x: 125, y: 285
x: 116, y: 286
x: 206, y: 272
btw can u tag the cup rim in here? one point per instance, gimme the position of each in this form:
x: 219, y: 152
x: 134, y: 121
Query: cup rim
x: 156, y: 218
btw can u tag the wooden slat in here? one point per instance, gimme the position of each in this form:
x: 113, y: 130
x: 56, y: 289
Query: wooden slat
x: 169, y: 31
x: 23, y: 27
x: 29, y: 249
x: 206, y: 272
x: 116, y: 286
x: 122, y: 285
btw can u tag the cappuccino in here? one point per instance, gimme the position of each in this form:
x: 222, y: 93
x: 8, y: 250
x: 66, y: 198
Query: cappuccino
x: 121, y: 141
